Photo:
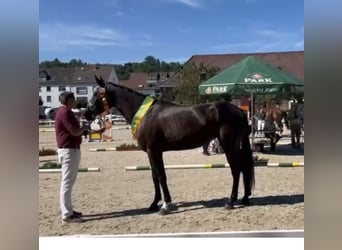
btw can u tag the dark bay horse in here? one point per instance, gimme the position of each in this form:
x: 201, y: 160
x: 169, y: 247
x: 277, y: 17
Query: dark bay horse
x: 276, y: 115
x: 167, y: 126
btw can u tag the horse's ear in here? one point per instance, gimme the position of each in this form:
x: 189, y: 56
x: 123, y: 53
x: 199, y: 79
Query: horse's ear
x: 100, y: 82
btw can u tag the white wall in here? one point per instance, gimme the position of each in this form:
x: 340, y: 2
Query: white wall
x: 54, y: 93
x: 90, y: 91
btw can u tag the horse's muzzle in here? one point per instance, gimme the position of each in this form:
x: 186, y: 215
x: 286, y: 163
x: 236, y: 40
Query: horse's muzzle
x: 89, y: 115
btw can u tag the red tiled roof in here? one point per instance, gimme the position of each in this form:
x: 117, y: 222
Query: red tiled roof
x: 136, y: 81
x: 291, y: 62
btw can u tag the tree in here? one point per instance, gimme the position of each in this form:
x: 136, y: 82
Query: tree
x: 278, y: 97
x: 189, y: 79
x: 150, y: 64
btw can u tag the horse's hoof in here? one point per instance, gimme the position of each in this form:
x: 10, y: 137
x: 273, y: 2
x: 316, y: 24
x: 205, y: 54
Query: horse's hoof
x: 229, y: 206
x: 153, y: 208
x: 163, y: 211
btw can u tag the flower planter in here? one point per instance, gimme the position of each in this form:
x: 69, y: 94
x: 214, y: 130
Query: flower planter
x: 46, y: 152
x: 260, y: 163
x: 127, y: 147
x: 50, y: 165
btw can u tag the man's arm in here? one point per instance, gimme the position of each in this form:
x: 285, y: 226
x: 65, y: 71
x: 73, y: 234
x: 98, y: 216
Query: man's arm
x: 73, y: 128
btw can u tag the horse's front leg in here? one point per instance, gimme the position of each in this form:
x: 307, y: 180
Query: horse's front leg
x: 157, y: 165
x: 157, y: 195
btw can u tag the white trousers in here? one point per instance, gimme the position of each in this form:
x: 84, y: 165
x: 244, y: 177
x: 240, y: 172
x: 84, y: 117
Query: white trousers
x: 69, y: 158
x: 260, y: 125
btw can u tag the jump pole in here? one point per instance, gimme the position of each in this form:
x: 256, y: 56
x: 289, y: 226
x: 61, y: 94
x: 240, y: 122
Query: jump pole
x: 212, y: 165
x: 121, y: 128
x: 58, y: 170
x: 42, y: 130
x: 101, y: 149
x: 190, y: 166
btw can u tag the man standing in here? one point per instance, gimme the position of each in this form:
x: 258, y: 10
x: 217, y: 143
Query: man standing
x: 260, y: 118
x: 69, y: 138
x: 271, y: 132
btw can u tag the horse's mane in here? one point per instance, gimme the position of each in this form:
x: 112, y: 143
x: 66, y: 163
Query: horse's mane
x: 138, y: 93
x: 126, y: 88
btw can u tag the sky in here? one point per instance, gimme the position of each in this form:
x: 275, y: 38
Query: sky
x: 120, y: 31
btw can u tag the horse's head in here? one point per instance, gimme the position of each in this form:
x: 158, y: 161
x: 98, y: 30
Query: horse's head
x: 99, y: 103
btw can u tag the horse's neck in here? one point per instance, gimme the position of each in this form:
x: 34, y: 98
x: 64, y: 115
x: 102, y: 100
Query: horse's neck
x: 128, y: 103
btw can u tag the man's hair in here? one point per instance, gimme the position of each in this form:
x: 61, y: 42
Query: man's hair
x: 65, y: 96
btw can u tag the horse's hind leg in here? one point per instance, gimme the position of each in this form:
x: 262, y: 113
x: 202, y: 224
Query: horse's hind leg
x: 205, y: 148
x: 234, y: 167
x: 298, y: 132
x: 293, y: 143
x: 248, y: 173
x: 228, y: 145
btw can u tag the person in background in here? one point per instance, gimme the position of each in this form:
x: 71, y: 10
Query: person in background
x: 260, y: 120
x: 271, y: 132
x: 295, y: 125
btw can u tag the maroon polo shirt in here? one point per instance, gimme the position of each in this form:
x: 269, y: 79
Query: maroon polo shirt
x: 65, y: 121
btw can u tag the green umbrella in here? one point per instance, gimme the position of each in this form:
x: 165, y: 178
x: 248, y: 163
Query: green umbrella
x: 252, y: 75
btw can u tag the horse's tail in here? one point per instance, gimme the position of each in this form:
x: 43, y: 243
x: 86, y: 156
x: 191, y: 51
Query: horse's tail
x: 246, y: 150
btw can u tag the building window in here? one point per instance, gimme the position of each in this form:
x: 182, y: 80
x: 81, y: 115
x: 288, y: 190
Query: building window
x: 40, y: 89
x: 48, y: 88
x: 48, y: 98
x: 82, y: 90
x: 61, y: 88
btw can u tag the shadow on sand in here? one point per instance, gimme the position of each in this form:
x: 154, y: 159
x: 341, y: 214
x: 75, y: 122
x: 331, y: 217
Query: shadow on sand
x: 203, y: 204
x: 285, y: 150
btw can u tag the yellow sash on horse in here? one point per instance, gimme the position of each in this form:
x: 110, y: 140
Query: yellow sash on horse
x: 139, y: 115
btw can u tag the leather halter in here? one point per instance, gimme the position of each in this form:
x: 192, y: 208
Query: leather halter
x: 104, y: 100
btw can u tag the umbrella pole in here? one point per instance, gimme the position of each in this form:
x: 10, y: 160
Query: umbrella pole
x: 252, y: 119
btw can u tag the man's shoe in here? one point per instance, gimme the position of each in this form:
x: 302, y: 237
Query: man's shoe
x: 77, y: 214
x: 73, y: 218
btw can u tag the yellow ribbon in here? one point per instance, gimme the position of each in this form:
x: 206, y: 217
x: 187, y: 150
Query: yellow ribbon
x: 139, y: 115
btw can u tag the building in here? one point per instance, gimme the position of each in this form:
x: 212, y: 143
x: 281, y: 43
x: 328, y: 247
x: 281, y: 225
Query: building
x: 146, y: 83
x: 79, y: 80
x: 292, y: 62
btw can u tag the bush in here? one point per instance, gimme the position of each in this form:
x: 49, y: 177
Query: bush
x: 127, y: 147
x: 50, y: 165
x: 46, y: 152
